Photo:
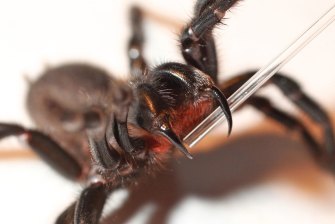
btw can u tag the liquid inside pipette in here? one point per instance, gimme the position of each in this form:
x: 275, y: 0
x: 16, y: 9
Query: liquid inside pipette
x: 257, y: 80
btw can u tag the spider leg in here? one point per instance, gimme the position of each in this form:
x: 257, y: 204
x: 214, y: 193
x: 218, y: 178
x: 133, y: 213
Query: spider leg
x: 197, y: 43
x: 88, y: 208
x: 120, y: 129
x: 49, y: 150
x: 103, y: 153
x: 293, y: 91
x: 121, y: 135
x: 66, y: 217
x: 90, y: 204
x: 295, y: 94
x: 264, y: 105
x: 138, y: 64
x: 119, y: 120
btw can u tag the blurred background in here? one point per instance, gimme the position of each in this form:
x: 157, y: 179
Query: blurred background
x: 260, y: 174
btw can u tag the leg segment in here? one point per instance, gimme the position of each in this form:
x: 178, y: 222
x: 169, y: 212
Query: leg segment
x: 88, y: 208
x: 290, y: 122
x: 57, y: 157
x: 90, y: 204
x: 293, y: 91
x: 138, y: 65
x: 67, y: 216
x: 198, y: 47
x: 102, y: 153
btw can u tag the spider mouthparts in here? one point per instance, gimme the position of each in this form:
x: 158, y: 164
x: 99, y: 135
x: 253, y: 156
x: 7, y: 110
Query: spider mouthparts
x: 174, y: 139
x: 224, y: 106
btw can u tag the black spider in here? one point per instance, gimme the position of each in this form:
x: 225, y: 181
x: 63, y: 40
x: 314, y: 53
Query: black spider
x: 110, y: 132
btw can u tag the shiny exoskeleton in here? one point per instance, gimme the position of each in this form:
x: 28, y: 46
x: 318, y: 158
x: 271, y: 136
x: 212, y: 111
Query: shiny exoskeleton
x: 105, y: 132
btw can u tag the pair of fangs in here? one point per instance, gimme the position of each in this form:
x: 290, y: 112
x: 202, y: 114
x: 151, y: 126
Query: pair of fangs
x: 165, y: 129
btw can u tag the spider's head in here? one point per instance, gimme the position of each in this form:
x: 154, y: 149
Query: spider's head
x: 171, y: 100
x: 152, y: 114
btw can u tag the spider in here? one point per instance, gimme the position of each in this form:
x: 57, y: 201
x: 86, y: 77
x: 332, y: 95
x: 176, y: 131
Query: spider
x: 105, y: 132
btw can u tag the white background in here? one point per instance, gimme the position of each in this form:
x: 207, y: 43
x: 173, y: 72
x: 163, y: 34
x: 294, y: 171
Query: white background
x: 36, y: 33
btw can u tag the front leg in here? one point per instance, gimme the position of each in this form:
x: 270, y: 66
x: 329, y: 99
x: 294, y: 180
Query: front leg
x: 138, y: 65
x: 197, y: 43
x: 298, y: 97
x: 48, y: 149
x: 89, y: 206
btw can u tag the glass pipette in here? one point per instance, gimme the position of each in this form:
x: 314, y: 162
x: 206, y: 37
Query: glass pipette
x: 259, y: 78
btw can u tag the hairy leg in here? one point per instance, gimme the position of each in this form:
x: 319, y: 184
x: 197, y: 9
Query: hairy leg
x: 138, y: 64
x: 48, y: 149
x: 296, y: 95
x: 88, y: 208
x: 197, y: 43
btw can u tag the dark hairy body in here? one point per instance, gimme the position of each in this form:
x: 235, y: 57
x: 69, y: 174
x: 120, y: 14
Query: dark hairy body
x: 105, y: 132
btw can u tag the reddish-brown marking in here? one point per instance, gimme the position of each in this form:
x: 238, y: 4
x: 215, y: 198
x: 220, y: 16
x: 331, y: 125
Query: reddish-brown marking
x: 184, y: 120
x: 188, y: 117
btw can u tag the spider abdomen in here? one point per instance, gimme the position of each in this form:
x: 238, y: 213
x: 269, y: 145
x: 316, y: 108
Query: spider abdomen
x: 62, y: 100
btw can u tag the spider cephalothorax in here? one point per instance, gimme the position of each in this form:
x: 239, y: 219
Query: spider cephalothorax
x: 105, y: 132
x: 174, y: 97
